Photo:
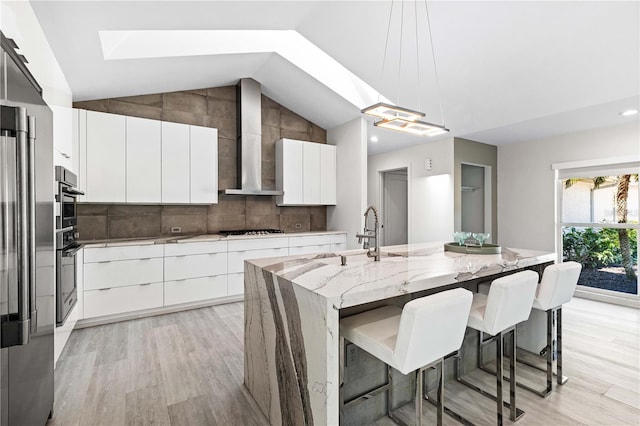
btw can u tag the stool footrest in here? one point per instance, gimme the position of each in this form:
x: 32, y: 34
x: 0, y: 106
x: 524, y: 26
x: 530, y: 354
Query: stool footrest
x: 519, y: 412
x: 367, y: 395
x: 450, y: 412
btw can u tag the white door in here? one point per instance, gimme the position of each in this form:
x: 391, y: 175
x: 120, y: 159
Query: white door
x: 204, y: 165
x: 106, y: 174
x: 395, y: 211
x: 143, y: 160
x: 175, y: 163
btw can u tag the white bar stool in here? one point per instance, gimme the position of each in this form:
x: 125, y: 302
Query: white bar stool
x: 555, y: 289
x: 411, y: 339
x: 508, y: 303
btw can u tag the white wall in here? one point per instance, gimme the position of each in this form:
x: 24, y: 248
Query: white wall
x: 18, y: 22
x: 430, y: 193
x: 350, y: 140
x: 526, y: 204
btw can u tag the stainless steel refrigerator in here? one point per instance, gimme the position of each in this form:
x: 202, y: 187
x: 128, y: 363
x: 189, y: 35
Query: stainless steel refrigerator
x: 27, y: 251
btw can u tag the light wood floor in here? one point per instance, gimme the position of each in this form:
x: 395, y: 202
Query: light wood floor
x: 186, y: 369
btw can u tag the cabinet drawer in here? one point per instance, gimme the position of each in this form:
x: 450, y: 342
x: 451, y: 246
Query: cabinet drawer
x: 338, y: 247
x: 322, y: 248
x: 102, y: 254
x: 181, y: 249
x: 314, y: 240
x: 122, y: 273
x: 235, y: 284
x: 258, y: 243
x: 194, y: 289
x: 194, y: 266
x: 122, y: 299
x: 236, y: 259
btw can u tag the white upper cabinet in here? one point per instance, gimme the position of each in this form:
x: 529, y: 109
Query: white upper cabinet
x: 175, y: 163
x: 311, y: 175
x: 288, y: 165
x: 79, y: 149
x: 63, y: 136
x: 328, y: 180
x: 144, y: 158
x: 106, y: 146
x: 122, y: 159
x: 305, y: 172
x: 204, y: 165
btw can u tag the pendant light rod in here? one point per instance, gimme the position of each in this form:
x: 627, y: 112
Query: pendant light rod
x: 394, y: 117
x: 415, y: 12
x: 435, y: 67
x: 386, y: 43
x: 400, y: 53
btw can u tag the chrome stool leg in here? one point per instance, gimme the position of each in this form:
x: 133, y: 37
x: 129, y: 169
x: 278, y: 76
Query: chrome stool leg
x: 554, y: 316
x: 561, y: 379
x: 515, y: 413
x: 499, y: 379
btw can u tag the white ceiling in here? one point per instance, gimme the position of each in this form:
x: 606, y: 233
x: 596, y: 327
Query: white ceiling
x: 508, y: 71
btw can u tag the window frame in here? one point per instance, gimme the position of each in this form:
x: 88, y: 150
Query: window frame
x: 608, y: 167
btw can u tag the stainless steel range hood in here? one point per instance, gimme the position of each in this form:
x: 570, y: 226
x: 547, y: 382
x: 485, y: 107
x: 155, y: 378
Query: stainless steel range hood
x: 249, y: 119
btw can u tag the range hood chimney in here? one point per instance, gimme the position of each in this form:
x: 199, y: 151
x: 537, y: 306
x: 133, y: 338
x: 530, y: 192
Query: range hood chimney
x: 249, y: 120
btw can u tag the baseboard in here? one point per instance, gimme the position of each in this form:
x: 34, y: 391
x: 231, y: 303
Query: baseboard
x: 608, y: 298
x: 92, y: 322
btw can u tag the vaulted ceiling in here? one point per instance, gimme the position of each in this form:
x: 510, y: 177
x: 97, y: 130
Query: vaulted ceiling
x: 507, y: 71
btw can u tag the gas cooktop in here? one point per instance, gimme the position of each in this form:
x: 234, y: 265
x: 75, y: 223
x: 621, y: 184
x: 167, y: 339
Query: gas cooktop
x: 251, y: 232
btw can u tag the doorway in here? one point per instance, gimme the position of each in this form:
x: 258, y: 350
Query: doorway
x: 395, y: 212
x: 475, y: 200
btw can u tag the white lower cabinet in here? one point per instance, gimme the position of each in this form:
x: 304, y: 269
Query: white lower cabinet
x: 320, y: 248
x: 338, y: 247
x: 122, y: 273
x: 194, y: 266
x: 194, y: 289
x: 119, y: 280
x: 119, y: 300
x: 236, y: 259
x: 235, y: 284
x: 309, y: 244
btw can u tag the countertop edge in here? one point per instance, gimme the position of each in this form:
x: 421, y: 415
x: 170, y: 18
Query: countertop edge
x: 194, y: 239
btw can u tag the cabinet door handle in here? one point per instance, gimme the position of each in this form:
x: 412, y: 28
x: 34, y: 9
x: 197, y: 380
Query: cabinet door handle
x: 145, y: 258
x: 105, y: 261
x: 104, y: 289
x: 181, y: 255
x: 146, y: 284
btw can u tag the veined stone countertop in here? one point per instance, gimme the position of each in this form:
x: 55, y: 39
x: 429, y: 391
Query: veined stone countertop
x: 401, y: 270
x: 120, y: 242
x: 293, y: 306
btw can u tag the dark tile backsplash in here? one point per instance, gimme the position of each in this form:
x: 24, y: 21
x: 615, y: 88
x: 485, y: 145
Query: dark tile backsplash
x: 104, y: 221
x: 212, y: 107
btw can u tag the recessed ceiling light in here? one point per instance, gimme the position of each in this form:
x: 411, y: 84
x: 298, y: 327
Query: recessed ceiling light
x: 629, y: 112
x: 374, y: 139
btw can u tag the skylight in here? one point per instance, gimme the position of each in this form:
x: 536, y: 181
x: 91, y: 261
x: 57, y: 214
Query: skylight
x: 289, y: 44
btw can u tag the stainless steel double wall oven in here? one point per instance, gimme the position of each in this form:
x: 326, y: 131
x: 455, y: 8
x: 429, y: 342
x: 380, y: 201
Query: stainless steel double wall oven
x: 66, y: 245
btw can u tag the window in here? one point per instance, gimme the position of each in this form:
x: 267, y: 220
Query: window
x: 598, y: 225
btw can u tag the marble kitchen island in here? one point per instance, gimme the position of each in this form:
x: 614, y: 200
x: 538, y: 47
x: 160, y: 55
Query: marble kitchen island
x: 293, y: 306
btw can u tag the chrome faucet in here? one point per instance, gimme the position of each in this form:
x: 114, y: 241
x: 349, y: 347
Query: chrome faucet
x: 367, y: 236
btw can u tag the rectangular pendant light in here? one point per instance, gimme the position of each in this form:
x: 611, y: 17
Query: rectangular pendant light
x: 419, y: 128
x: 390, y: 112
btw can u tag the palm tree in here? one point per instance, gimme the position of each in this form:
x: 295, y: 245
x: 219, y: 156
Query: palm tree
x: 622, y: 195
